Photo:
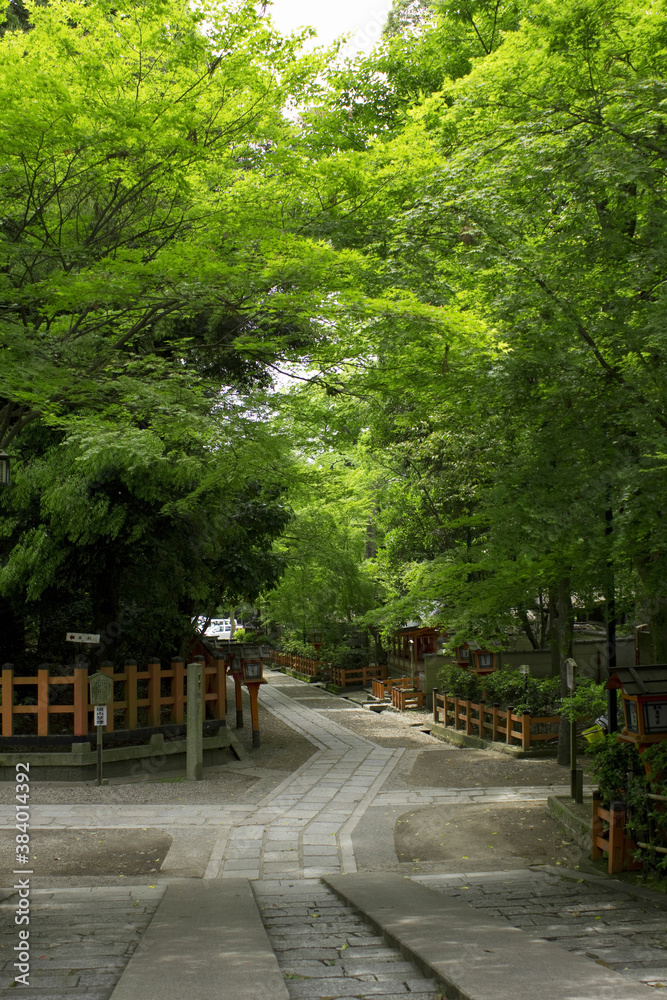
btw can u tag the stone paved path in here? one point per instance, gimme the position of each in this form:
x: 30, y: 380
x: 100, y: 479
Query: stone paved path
x: 80, y: 940
x: 626, y: 934
x: 325, y: 950
x: 301, y: 828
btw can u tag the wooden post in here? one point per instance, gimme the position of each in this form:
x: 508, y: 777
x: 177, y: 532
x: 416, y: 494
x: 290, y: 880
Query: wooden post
x: 131, y: 695
x: 456, y: 711
x: 194, y: 748
x: 435, y: 705
x: 525, y: 731
x: 107, y: 668
x: 238, y: 692
x: 8, y: 700
x: 177, y: 692
x: 154, y: 692
x: 43, y: 700
x: 617, y: 814
x: 468, y: 718
x: 508, y: 734
x: 596, y: 827
x: 253, y: 691
x: 220, y: 685
x: 482, y: 719
x: 494, y: 721
x: 80, y: 701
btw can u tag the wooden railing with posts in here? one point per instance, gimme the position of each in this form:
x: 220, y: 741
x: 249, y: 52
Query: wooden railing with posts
x: 293, y: 661
x: 382, y: 687
x: 609, y: 836
x: 356, y: 676
x: 151, y: 697
x: 492, y: 722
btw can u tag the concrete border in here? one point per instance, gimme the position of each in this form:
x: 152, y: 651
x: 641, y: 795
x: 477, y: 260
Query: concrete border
x: 80, y: 763
x: 475, y: 955
x: 205, y: 940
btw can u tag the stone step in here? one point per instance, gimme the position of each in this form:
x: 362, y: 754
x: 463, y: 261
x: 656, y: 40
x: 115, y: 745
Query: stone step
x: 325, y: 949
x: 475, y: 955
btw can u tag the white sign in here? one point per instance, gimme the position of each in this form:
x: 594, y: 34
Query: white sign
x: 82, y: 637
x: 100, y: 713
x: 570, y: 667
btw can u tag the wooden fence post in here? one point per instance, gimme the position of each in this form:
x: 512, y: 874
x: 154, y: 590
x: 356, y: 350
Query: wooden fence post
x: 508, y: 733
x: 525, y: 731
x: 482, y: 719
x: 43, y: 700
x: 177, y: 692
x: 131, y: 695
x: 7, y: 699
x: 468, y: 718
x: 494, y: 721
x: 435, y: 705
x: 107, y: 668
x: 617, y: 816
x: 80, y: 701
x: 220, y: 685
x: 154, y: 692
x: 456, y: 711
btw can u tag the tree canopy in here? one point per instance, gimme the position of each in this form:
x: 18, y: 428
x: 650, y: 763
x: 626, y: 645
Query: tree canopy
x: 454, y: 245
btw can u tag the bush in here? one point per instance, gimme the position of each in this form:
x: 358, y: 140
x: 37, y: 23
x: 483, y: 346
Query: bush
x: 512, y: 689
x: 588, y: 702
x: 458, y: 680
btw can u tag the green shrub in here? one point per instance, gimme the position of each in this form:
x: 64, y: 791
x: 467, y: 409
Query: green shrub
x: 587, y: 703
x: 458, y: 680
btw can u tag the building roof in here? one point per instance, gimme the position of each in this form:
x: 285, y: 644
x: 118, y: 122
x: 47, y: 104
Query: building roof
x: 640, y: 680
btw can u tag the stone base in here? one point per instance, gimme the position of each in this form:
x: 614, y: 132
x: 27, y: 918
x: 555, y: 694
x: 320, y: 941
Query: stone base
x: 80, y: 763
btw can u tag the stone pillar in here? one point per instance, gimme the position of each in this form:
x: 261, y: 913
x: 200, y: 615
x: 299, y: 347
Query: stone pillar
x: 195, y: 726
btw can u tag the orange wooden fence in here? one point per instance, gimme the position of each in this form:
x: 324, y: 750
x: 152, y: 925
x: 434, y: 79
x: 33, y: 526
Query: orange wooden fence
x: 491, y: 722
x: 302, y: 664
x: 157, y: 694
x: 356, y: 676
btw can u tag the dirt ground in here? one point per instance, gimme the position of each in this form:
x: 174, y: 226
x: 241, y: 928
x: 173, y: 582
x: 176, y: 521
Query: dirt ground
x: 88, y: 852
x: 483, y: 838
x: 458, y: 767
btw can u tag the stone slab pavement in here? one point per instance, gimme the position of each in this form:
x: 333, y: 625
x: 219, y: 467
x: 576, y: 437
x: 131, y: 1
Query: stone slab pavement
x: 305, y: 826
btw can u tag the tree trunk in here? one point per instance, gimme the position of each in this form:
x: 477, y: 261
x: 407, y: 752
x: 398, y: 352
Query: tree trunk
x: 562, y: 640
x: 12, y: 636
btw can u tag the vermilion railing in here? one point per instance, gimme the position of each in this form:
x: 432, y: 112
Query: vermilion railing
x: 492, y: 722
x: 151, y: 693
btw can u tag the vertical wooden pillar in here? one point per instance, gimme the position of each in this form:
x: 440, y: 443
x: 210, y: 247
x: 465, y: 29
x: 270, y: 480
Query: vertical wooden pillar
x: 80, y: 701
x: 456, y: 711
x: 154, y: 692
x: 525, y: 731
x: 177, y: 692
x: 238, y: 692
x: 253, y: 691
x: 494, y: 721
x: 107, y: 668
x: 43, y: 700
x: 131, y: 695
x: 8, y: 700
x: 482, y: 718
x: 617, y: 814
x: 468, y: 718
x: 220, y: 686
x: 435, y: 705
x: 510, y: 724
